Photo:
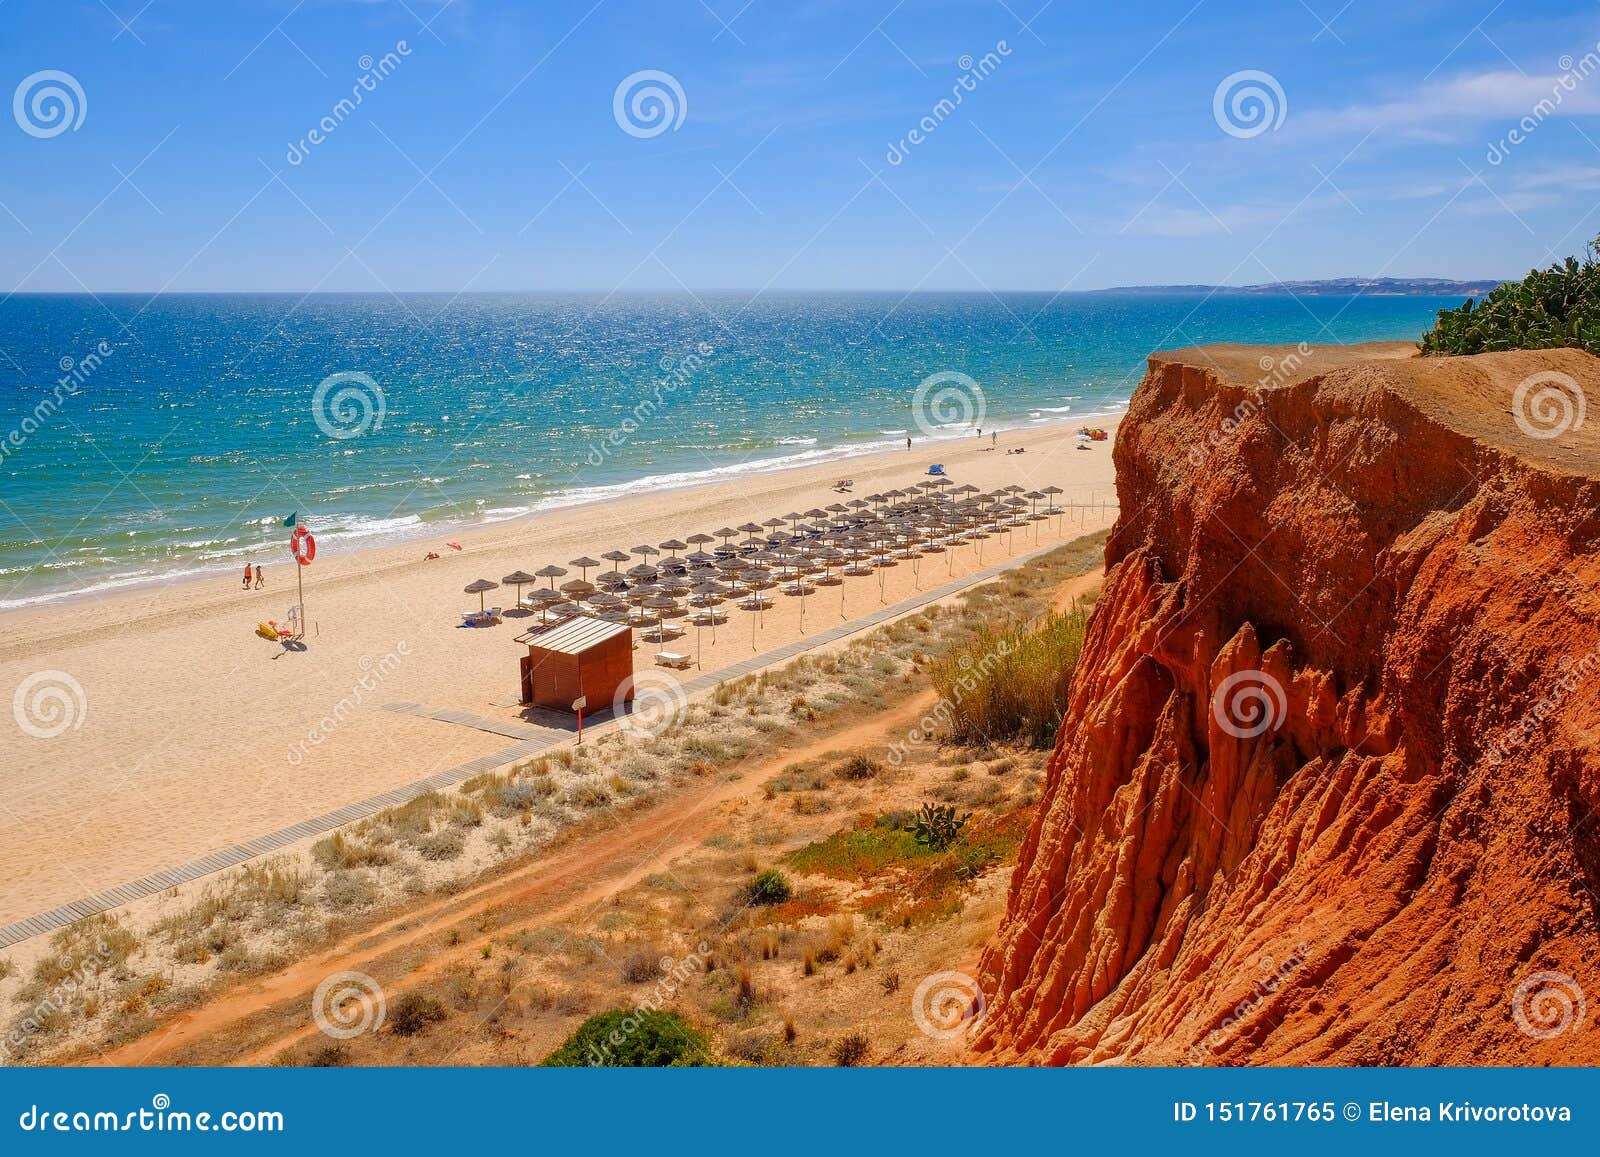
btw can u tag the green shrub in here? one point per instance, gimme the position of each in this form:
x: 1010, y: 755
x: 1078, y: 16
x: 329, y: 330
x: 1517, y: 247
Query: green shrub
x: 937, y: 826
x: 862, y: 852
x: 632, y: 1038
x: 1010, y: 682
x: 1548, y: 309
x: 769, y: 887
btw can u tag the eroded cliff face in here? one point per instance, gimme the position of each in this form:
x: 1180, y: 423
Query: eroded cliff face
x: 1326, y: 790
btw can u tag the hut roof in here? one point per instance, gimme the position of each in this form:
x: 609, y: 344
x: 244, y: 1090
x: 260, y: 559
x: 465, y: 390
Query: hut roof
x: 576, y: 635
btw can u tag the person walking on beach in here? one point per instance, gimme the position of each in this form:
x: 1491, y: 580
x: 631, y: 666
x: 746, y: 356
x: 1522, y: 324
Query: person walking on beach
x: 246, y: 576
x: 908, y: 441
x: 261, y: 576
x: 994, y: 437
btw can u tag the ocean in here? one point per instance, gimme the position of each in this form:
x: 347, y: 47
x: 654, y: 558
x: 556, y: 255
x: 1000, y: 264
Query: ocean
x: 143, y: 437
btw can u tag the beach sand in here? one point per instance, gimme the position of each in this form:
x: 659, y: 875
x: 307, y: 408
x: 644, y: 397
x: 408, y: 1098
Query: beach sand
x: 182, y: 745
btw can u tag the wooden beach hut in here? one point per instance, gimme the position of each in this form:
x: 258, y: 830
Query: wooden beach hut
x: 583, y: 657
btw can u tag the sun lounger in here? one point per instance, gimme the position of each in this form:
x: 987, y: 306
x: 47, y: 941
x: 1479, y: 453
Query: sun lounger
x: 673, y: 659
x: 936, y: 468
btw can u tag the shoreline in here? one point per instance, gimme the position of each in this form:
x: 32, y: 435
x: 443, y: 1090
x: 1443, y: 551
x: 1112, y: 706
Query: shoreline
x: 580, y: 498
x: 346, y: 544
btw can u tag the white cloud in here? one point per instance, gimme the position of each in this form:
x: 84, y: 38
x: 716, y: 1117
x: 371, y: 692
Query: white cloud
x: 1160, y: 220
x: 1443, y: 110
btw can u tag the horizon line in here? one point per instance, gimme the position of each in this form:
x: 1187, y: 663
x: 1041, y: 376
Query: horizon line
x: 1175, y: 287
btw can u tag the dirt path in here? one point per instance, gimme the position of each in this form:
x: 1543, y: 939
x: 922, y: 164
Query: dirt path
x: 1076, y: 588
x: 263, y: 1016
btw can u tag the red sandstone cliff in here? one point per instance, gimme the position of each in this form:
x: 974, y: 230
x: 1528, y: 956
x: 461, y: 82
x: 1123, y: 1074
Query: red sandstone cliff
x: 1326, y: 789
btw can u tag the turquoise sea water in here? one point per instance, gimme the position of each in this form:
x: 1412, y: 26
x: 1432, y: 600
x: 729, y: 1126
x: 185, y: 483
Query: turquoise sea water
x: 143, y: 437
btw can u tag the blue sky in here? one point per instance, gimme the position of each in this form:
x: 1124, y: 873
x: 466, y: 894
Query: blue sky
x: 1090, y: 153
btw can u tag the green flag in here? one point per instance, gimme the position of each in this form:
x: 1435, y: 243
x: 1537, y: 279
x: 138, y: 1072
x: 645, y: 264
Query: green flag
x: 290, y: 520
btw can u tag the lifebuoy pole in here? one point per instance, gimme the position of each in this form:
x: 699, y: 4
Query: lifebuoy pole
x: 303, y: 548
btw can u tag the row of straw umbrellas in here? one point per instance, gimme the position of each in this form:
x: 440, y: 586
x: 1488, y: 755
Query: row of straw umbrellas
x: 796, y: 553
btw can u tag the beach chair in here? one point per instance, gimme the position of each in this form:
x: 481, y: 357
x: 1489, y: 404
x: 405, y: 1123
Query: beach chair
x: 937, y: 468
x: 673, y: 659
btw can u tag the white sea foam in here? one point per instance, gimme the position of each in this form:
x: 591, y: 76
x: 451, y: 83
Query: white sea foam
x: 263, y: 540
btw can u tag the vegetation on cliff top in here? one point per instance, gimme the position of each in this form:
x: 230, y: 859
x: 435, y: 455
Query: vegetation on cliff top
x: 1548, y: 309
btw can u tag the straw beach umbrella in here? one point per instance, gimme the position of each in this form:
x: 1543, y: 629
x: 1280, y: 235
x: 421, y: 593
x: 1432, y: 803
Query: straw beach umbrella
x: 585, y: 564
x: 519, y: 579
x: 479, y: 587
x: 661, y: 604
x: 616, y: 558
x: 577, y: 589
x: 544, y: 600
x: 551, y: 572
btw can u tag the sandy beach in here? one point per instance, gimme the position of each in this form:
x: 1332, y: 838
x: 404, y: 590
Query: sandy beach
x: 182, y: 740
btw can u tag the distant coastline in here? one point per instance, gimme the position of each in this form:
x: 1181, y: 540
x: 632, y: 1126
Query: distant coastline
x: 1337, y: 286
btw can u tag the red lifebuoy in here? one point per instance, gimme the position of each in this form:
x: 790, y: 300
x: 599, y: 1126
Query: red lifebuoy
x: 302, y: 546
